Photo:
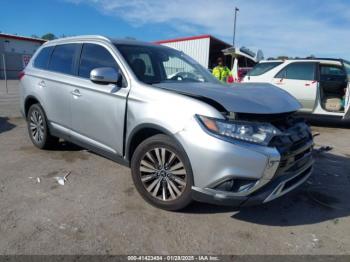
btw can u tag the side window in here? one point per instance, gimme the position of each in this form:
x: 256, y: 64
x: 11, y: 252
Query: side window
x: 42, y: 59
x: 298, y: 71
x: 332, y: 70
x: 262, y: 68
x: 62, y: 59
x: 282, y: 73
x: 94, y: 56
x: 332, y: 73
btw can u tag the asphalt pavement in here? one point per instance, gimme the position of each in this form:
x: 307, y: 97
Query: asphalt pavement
x: 98, y: 210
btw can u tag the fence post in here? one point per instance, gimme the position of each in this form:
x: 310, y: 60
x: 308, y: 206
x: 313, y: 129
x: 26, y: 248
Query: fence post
x: 5, y: 73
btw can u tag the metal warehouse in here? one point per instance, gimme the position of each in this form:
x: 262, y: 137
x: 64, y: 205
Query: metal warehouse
x: 15, y: 52
x: 205, y: 49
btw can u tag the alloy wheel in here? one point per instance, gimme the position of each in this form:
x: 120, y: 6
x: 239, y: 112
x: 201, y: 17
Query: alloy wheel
x: 163, y: 174
x: 36, y: 126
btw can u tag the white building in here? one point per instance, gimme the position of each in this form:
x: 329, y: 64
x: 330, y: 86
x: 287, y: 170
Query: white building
x: 206, y: 49
x: 15, y: 52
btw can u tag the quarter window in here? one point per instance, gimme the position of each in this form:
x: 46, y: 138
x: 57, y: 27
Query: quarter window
x: 42, y: 59
x: 262, y: 68
x: 298, y: 71
x: 94, y: 56
x: 62, y: 59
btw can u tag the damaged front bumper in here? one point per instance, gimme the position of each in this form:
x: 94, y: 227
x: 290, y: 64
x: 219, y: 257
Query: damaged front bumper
x: 283, y: 172
x: 275, y: 188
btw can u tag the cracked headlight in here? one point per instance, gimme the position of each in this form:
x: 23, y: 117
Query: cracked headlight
x: 253, y: 132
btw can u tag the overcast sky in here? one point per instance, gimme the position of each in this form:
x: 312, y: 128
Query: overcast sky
x: 278, y: 27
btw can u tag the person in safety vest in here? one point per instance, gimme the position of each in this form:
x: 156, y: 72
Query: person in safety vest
x: 221, y: 71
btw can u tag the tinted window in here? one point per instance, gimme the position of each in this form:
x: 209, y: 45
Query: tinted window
x: 42, y: 59
x: 94, y: 56
x: 332, y: 73
x: 298, y: 71
x: 157, y: 64
x: 262, y: 68
x: 332, y: 70
x: 62, y: 59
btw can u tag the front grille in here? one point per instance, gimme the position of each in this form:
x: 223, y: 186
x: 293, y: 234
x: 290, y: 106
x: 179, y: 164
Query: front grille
x: 295, y: 151
x: 295, y: 143
x: 296, y: 179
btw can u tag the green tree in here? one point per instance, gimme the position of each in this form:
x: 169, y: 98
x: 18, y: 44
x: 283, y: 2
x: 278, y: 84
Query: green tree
x: 282, y: 57
x: 49, y: 36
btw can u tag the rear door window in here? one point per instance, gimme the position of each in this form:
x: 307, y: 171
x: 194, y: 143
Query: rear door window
x: 262, y: 68
x: 63, y: 58
x: 332, y: 73
x: 298, y: 71
x: 94, y: 56
x: 41, y: 61
x: 332, y: 70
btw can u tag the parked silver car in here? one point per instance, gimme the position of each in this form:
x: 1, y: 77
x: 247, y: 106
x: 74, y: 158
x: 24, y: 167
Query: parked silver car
x: 185, y: 135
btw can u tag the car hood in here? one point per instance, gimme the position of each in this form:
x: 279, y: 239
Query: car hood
x: 254, y: 98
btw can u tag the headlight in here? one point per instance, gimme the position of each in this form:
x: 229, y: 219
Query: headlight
x: 253, y: 132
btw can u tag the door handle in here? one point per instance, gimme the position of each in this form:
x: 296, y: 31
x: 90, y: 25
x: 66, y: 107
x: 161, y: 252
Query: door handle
x: 279, y: 82
x: 42, y: 83
x: 76, y: 92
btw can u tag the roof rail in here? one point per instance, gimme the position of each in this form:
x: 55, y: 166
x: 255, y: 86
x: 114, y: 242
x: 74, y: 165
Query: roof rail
x: 80, y: 37
x: 317, y: 58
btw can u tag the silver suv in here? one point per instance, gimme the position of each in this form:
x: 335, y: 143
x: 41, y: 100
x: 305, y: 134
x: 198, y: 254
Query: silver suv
x: 185, y: 135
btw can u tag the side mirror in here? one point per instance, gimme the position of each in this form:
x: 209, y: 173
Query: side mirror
x: 105, y: 75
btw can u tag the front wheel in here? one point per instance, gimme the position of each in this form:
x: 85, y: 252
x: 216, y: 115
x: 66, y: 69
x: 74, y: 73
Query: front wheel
x: 162, y: 173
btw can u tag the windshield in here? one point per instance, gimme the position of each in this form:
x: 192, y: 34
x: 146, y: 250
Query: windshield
x: 158, y: 64
x: 347, y: 68
x: 262, y: 68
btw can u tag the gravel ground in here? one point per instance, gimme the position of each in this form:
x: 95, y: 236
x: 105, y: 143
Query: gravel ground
x: 98, y: 210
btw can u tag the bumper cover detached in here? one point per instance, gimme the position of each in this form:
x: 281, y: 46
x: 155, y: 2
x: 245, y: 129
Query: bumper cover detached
x: 295, y: 167
x: 276, y: 188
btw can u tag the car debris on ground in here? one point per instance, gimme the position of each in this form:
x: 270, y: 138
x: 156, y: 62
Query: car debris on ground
x: 62, y: 179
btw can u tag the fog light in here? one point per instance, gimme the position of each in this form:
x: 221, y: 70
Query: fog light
x: 236, y: 185
x: 225, y: 186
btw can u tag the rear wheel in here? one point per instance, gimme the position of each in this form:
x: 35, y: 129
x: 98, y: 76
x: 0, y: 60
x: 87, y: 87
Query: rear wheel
x: 38, y: 129
x: 162, y: 173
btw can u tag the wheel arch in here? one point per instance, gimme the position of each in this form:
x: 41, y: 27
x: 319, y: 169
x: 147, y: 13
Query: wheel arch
x: 29, y: 101
x: 140, y: 134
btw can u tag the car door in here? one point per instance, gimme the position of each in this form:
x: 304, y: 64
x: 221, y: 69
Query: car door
x: 347, y: 92
x: 98, y: 110
x: 57, y: 85
x: 347, y: 103
x: 299, y: 79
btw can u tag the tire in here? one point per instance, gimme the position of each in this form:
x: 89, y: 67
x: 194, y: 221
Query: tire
x: 38, y: 129
x: 163, y: 179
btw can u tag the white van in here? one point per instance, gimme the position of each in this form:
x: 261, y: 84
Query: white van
x: 321, y: 85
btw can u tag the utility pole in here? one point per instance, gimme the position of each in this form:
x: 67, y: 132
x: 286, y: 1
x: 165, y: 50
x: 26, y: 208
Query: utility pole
x: 5, y: 73
x: 234, y: 26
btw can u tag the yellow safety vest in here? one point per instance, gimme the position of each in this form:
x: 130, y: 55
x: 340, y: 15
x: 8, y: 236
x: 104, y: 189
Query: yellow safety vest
x: 222, y: 73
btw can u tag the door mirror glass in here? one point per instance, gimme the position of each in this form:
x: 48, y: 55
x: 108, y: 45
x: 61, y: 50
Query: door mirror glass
x: 105, y: 75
